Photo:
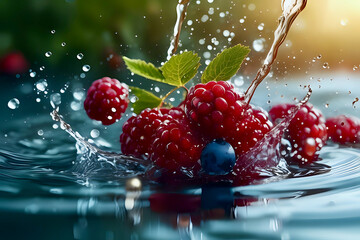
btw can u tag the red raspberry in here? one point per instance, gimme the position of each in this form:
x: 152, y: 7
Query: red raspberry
x: 14, y: 63
x: 106, y: 100
x: 214, y: 107
x: 249, y: 130
x: 137, y: 131
x: 307, y: 131
x: 176, y: 146
x: 343, y: 129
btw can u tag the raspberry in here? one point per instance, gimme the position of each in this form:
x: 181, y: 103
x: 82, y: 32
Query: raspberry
x: 249, y: 130
x: 306, y: 132
x: 137, y: 131
x: 176, y: 146
x: 343, y: 129
x: 214, y: 107
x: 14, y: 63
x: 106, y: 100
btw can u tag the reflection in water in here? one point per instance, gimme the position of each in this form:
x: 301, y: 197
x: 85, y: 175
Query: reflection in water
x: 133, y: 191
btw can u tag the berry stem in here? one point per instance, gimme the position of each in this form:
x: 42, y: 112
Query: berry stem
x: 186, y: 89
x: 167, y: 95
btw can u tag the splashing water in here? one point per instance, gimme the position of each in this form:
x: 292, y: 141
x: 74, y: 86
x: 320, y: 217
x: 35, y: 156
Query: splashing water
x: 264, y: 158
x: 92, y: 161
x: 291, y: 9
x: 266, y: 154
x: 181, y: 9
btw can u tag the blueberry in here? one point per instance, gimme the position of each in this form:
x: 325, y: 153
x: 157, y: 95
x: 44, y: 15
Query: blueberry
x: 218, y: 157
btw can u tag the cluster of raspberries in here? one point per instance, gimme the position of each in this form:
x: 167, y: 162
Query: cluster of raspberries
x: 174, y: 138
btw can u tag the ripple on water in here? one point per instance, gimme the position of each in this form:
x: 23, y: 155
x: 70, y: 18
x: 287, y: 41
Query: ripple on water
x: 278, y: 208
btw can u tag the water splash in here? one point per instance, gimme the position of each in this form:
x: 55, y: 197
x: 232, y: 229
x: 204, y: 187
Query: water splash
x: 92, y: 161
x: 14, y: 103
x: 291, y: 9
x: 265, y: 158
x: 181, y: 9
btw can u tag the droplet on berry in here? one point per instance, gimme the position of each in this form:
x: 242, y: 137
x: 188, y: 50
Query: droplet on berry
x: 218, y: 158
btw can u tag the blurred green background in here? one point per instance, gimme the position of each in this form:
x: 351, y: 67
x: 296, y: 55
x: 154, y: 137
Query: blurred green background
x: 105, y: 30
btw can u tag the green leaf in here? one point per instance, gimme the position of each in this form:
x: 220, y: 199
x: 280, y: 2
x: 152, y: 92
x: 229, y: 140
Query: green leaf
x: 147, y: 70
x: 225, y: 64
x: 145, y: 99
x: 181, y: 68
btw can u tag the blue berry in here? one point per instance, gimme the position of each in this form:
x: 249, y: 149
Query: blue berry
x: 218, y: 158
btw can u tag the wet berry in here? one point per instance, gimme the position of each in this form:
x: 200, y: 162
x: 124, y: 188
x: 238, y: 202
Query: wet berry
x: 307, y: 131
x: 176, y: 146
x: 218, y: 158
x: 343, y: 129
x: 137, y: 131
x: 106, y: 100
x: 249, y: 129
x: 214, y: 107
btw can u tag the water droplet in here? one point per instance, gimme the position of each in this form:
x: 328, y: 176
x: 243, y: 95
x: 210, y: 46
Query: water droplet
x: 48, y: 54
x: 210, y: 1
x: 190, y: 22
x: 211, y: 11
x: 52, y: 31
x: 251, y: 7
x: 80, y: 56
x: 42, y: 68
x: 63, y: 44
x: 41, y: 85
x: 157, y: 89
x: 239, y: 81
x: 226, y: 33
x: 204, y: 18
x: 344, y: 22
x: 327, y: 105
x: 32, y: 74
x: 207, y: 54
x: 261, y: 26
x: 133, y: 99
x: 326, y: 65
x: 55, y: 99
x: 86, y: 68
x: 319, y: 56
x: 65, y: 87
x: 355, y: 68
x: 222, y: 14
x: 40, y: 132
x: 242, y: 20
x: 94, y: 133
x: 79, y: 94
x: 14, y: 103
x: 75, y: 106
x: 259, y: 45
x: 38, y: 100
